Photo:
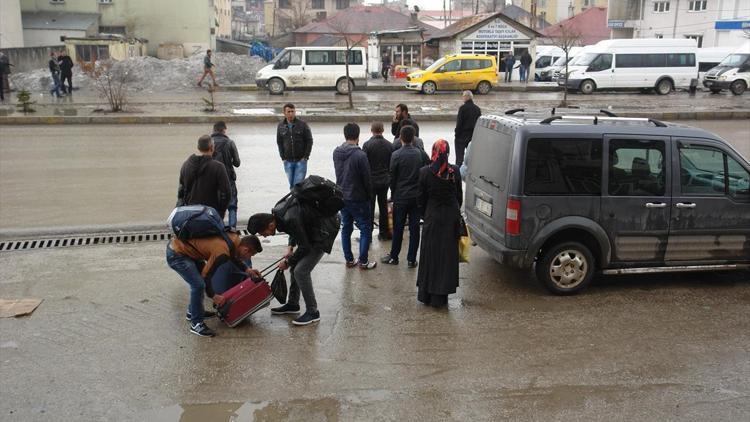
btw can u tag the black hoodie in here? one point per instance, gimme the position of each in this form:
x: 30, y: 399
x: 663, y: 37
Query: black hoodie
x: 204, y: 181
x: 352, y: 172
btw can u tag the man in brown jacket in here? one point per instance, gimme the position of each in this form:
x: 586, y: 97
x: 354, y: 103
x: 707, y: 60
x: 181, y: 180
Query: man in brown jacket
x: 183, y: 256
x: 203, y: 180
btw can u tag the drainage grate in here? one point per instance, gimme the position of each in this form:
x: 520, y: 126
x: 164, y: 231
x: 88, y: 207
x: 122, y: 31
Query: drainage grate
x: 83, y: 240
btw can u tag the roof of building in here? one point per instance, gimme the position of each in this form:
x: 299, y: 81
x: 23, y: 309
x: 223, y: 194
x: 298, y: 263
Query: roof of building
x: 591, y: 24
x: 59, y: 20
x: 475, y: 21
x: 326, y: 40
x: 364, y: 20
x: 522, y: 15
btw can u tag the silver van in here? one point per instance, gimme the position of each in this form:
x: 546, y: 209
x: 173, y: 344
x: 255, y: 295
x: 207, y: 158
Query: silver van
x: 575, y: 195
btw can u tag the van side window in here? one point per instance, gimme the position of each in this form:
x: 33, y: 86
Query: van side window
x: 636, y: 168
x: 681, y: 60
x: 452, y: 66
x: 319, y: 57
x: 296, y: 58
x: 563, y: 167
x: 472, y: 64
x: 355, y: 57
x: 602, y: 62
x: 709, y: 172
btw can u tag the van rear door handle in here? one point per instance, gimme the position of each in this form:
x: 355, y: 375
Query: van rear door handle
x: 655, y: 205
x: 685, y: 205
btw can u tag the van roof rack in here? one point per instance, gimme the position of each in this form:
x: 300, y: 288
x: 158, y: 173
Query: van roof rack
x: 597, y: 119
x: 555, y: 110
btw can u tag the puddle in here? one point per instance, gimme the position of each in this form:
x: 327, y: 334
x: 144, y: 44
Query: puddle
x: 6, y: 111
x: 323, y: 410
x: 65, y: 112
x: 254, y: 111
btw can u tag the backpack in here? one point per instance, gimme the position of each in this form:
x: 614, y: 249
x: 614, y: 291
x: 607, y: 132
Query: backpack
x: 319, y: 193
x: 198, y: 221
x: 321, y: 230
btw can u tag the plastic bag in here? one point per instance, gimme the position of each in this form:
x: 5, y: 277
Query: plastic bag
x: 464, y: 243
x: 278, y: 287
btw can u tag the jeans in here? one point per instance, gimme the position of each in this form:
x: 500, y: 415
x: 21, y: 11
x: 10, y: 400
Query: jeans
x: 356, y: 212
x: 508, y: 75
x: 56, y: 80
x: 295, y: 171
x: 523, y: 72
x: 460, y: 147
x: 302, y: 281
x: 232, y: 209
x: 380, y: 195
x: 187, y: 269
x: 401, y: 211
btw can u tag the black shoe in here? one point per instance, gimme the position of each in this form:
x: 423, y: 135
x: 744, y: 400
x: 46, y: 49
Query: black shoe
x: 285, y: 309
x: 200, y: 329
x: 367, y: 265
x: 384, y: 237
x: 206, y: 315
x: 412, y: 264
x: 307, y: 318
x: 388, y: 260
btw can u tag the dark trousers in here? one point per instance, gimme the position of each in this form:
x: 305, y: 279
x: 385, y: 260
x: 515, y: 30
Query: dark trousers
x: 401, y: 211
x: 384, y: 72
x: 67, y: 77
x: 380, y: 196
x: 460, y: 147
x: 2, y: 88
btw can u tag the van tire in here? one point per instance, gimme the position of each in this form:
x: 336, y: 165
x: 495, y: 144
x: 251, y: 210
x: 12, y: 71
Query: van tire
x: 587, y: 87
x: 738, y: 87
x: 276, y: 86
x: 429, y: 88
x: 566, y: 268
x: 484, y: 88
x: 341, y: 86
x: 664, y: 86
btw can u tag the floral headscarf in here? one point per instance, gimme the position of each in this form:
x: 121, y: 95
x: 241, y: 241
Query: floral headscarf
x: 440, y: 166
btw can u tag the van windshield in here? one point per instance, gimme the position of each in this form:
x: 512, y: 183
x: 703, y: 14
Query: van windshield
x: 585, y: 59
x: 278, y: 56
x: 735, y: 60
x: 561, y: 60
x: 437, y: 64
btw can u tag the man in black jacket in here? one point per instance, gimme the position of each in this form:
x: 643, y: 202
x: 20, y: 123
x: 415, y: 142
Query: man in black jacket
x: 405, y: 165
x: 379, y: 150
x: 203, y: 180
x: 467, y: 117
x: 525, y: 66
x: 225, y: 151
x: 353, y: 175
x: 54, y: 70
x: 66, y: 72
x: 295, y: 141
x: 313, y: 236
x: 400, y: 117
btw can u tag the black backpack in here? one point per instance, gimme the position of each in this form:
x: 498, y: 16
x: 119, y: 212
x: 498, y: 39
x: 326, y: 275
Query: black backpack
x: 319, y: 193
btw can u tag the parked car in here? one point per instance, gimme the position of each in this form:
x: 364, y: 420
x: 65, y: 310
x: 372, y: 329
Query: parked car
x: 477, y: 72
x: 733, y: 73
x: 577, y: 195
x: 314, y: 67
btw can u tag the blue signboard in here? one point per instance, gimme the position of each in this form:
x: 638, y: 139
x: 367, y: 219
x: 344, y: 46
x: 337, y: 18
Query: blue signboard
x: 730, y: 25
x: 615, y: 23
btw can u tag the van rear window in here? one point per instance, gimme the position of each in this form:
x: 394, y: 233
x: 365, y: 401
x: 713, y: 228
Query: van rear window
x: 563, y: 167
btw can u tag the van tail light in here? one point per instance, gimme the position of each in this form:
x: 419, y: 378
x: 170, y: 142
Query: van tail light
x: 513, y: 217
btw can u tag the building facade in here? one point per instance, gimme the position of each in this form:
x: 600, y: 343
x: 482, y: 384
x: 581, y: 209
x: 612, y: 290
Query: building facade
x: 193, y: 24
x: 554, y: 11
x: 284, y: 16
x: 712, y: 23
x: 11, y: 30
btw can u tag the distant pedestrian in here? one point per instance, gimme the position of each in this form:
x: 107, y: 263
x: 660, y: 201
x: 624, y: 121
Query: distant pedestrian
x: 353, y: 175
x: 4, y: 72
x: 203, y: 180
x: 66, y: 72
x: 379, y: 151
x: 440, y: 197
x: 468, y: 114
x: 399, y: 117
x: 208, y: 69
x: 525, y: 65
x: 54, y: 70
x: 295, y: 141
x: 510, y: 61
x: 386, y: 67
x: 405, y: 165
x: 226, y: 152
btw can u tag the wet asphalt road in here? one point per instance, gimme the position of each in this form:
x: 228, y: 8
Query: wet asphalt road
x: 62, y: 176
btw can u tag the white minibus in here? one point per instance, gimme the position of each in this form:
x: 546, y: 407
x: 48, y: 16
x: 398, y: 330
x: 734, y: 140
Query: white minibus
x: 733, y: 73
x: 546, y: 56
x: 553, y: 73
x: 314, y: 67
x: 647, y: 63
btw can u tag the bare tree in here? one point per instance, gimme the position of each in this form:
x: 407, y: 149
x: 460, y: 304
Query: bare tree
x: 340, y: 29
x: 111, y: 80
x: 296, y: 15
x: 566, y: 39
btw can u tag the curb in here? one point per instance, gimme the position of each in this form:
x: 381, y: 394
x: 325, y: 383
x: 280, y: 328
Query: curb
x: 129, y: 120
x: 376, y: 88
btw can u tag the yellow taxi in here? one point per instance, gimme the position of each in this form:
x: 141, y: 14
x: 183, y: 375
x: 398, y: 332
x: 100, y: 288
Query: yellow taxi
x: 476, y: 72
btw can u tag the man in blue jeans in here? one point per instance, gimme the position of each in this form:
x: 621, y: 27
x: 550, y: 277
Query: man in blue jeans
x: 353, y: 175
x: 294, y: 139
x: 405, y: 165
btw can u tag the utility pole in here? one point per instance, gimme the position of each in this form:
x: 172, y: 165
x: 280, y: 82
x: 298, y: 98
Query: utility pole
x: 533, y: 14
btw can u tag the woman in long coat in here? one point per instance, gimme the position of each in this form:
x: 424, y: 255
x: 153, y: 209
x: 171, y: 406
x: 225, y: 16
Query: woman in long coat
x: 440, y: 198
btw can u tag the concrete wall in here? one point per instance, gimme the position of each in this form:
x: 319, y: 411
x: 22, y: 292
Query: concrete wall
x: 45, y: 37
x: 30, y: 58
x: 11, y: 30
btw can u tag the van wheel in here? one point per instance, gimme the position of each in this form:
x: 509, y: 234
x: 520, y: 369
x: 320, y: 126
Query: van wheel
x: 429, y: 88
x: 738, y: 87
x: 664, y: 87
x: 276, y: 86
x: 587, y: 87
x: 342, y: 87
x: 484, y: 87
x: 566, y: 268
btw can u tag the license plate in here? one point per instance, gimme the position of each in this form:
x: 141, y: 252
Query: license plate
x: 709, y: 83
x: 483, y: 206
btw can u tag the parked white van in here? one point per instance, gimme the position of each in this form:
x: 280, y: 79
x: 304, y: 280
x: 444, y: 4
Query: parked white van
x: 314, y: 67
x: 732, y: 73
x: 559, y: 66
x: 647, y: 63
x: 546, y: 56
x: 710, y: 57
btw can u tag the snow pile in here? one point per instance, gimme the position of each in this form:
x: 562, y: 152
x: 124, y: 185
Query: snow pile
x: 152, y: 74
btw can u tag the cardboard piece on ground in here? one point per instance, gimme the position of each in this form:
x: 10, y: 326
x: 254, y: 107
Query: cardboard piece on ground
x: 18, y: 307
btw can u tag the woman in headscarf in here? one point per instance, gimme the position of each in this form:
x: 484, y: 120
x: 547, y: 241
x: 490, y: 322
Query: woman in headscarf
x: 440, y: 198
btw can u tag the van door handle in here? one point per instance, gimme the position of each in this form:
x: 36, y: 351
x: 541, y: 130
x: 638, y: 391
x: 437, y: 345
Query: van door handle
x: 685, y: 205
x: 489, y: 181
x: 655, y: 205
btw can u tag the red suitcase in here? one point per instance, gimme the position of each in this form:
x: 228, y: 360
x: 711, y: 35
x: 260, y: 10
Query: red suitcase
x: 244, y: 300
